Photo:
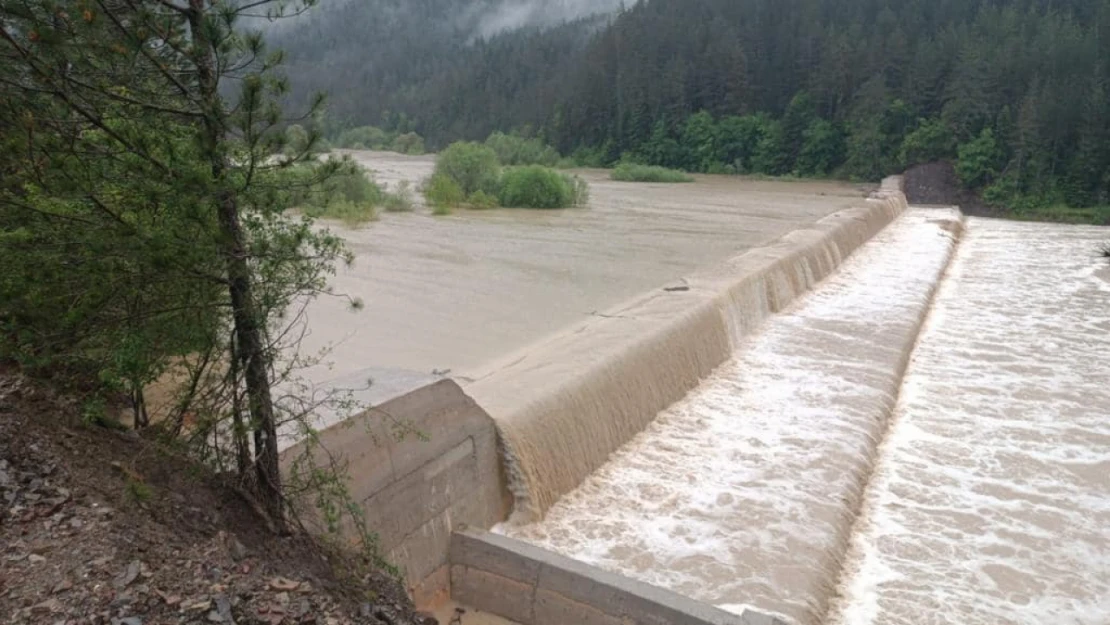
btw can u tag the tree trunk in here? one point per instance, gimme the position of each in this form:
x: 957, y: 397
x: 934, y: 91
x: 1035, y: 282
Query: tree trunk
x: 248, y: 326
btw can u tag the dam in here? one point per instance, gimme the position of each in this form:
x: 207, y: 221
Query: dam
x: 868, y: 414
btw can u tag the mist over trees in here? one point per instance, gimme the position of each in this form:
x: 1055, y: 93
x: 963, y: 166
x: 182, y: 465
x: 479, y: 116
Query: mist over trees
x: 1015, y: 90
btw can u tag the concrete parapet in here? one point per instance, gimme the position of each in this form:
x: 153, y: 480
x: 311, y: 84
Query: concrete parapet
x: 532, y: 586
x: 415, y: 491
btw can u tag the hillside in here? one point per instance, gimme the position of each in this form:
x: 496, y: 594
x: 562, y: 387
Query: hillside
x: 102, y: 527
x: 1016, y: 88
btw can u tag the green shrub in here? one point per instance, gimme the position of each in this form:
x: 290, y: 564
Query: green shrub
x: 409, y: 143
x: 347, y: 194
x: 631, y: 172
x: 364, y: 138
x: 481, y: 199
x: 471, y: 166
x: 442, y: 192
x: 398, y: 200
x: 513, y: 150
x: 540, y: 187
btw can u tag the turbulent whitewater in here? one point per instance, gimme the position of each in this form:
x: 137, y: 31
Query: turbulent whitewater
x: 745, y: 491
x: 990, y: 504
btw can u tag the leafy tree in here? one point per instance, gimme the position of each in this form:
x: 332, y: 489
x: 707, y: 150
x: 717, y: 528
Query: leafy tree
x: 153, y: 201
x: 822, y: 149
x: 472, y: 166
x: 932, y: 140
x: 772, y: 154
x: 978, y: 160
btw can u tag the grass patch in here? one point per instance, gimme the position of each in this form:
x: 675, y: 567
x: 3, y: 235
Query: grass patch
x: 540, y: 187
x: 1095, y: 215
x: 632, y: 172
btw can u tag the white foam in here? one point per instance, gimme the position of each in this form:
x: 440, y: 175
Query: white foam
x: 991, y: 503
x: 743, y: 493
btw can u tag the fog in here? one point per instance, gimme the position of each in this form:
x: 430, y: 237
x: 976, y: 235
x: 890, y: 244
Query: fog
x: 491, y: 18
x: 478, y: 18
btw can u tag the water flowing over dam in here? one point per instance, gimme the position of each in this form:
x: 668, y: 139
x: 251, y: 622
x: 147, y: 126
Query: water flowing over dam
x: 746, y: 490
x: 988, y: 502
x: 889, y: 415
x: 564, y: 406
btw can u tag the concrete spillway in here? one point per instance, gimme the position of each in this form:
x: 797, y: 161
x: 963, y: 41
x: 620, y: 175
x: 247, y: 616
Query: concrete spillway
x: 991, y: 499
x: 746, y: 490
x: 775, y: 431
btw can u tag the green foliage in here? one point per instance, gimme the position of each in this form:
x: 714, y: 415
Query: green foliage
x: 137, y: 491
x: 364, y: 138
x: 513, y: 150
x: 822, y: 149
x: 631, y: 172
x: 738, y: 139
x: 471, y: 166
x: 772, y: 153
x: 409, y: 143
x: 347, y: 194
x: 400, y: 200
x: 596, y: 157
x: 442, y: 193
x: 374, y: 138
x: 979, y: 160
x: 931, y: 141
x: 482, y: 200
x: 699, y: 90
x: 534, y: 186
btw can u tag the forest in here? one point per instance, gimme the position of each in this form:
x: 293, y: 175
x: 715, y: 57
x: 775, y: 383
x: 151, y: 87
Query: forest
x: 1013, y: 92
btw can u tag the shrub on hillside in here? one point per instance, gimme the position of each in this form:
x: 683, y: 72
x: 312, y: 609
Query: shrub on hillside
x: 540, y: 187
x: 512, y: 150
x: 471, y: 166
x: 632, y: 172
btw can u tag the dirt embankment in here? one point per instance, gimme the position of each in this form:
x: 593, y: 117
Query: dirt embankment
x: 103, y: 528
x: 936, y: 184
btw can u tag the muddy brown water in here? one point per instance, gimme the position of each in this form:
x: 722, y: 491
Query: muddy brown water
x: 452, y: 293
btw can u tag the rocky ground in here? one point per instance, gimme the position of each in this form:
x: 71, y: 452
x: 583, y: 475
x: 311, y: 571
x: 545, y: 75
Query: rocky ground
x: 103, y: 528
x: 937, y: 184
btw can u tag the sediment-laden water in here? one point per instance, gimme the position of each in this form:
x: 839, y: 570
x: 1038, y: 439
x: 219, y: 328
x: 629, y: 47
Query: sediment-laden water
x: 990, y: 504
x: 745, y: 492
x: 451, y: 293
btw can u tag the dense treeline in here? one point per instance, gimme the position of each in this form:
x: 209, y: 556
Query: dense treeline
x: 1014, y: 90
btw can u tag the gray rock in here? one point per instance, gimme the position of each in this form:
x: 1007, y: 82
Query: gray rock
x: 237, y: 549
x: 129, y: 574
x: 223, y: 608
x: 127, y: 620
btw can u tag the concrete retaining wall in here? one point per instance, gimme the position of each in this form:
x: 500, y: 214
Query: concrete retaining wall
x: 532, y: 586
x: 417, y: 490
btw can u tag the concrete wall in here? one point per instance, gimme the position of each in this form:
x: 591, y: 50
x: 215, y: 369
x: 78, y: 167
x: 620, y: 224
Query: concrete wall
x: 416, y: 491
x: 531, y: 586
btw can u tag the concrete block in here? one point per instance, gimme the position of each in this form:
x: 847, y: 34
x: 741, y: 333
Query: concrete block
x: 424, y: 550
x: 610, y: 594
x: 443, y: 415
x: 554, y: 609
x: 410, y: 502
x: 434, y: 590
x: 492, y: 593
x: 584, y: 584
x: 495, y: 554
